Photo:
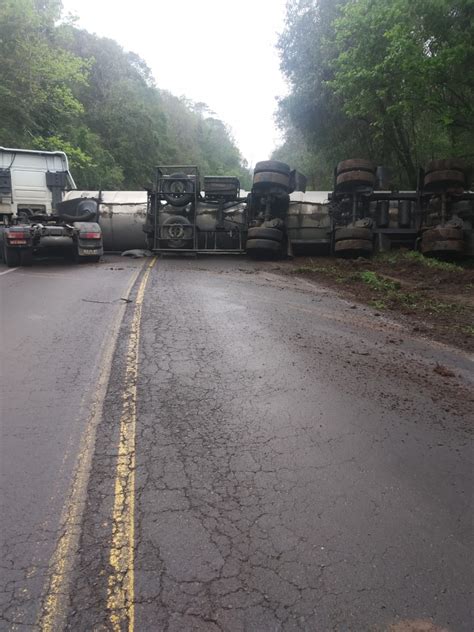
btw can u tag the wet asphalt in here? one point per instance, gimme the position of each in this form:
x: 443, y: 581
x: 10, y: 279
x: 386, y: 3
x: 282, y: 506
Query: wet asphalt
x: 299, y: 465
x: 54, y: 318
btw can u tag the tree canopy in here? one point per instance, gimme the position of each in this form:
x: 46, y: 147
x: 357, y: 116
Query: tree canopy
x: 63, y: 88
x: 390, y: 80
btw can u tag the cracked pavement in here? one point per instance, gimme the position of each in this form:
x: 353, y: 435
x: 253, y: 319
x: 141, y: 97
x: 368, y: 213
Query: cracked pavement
x: 299, y: 466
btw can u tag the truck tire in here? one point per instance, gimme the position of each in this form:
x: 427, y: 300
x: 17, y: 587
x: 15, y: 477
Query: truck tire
x: 264, y: 179
x: 265, y: 233
x: 439, y: 180
x: 275, y: 166
x: 178, y: 190
x: 444, y: 248
x: 267, y: 245
x: 356, y: 164
x: 11, y: 256
x: 355, y: 232
x: 442, y: 233
x: 26, y: 257
x: 351, y: 248
x: 450, y: 164
x: 86, y: 258
x: 263, y: 249
x: 351, y: 180
x: 177, y: 232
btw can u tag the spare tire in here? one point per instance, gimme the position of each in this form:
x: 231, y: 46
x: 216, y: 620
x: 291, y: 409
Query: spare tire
x: 177, y: 231
x: 178, y: 189
x: 265, y: 233
x: 356, y: 164
x: 355, y: 232
x: 272, y: 165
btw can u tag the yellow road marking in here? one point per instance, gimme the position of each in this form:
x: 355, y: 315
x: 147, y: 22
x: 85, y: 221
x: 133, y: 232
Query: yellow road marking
x: 53, y: 609
x: 120, y: 597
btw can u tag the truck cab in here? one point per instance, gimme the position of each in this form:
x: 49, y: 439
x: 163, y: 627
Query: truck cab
x: 34, y: 217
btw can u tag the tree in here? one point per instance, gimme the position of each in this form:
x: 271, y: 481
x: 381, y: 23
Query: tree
x: 38, y: 76
x: 408, y: 71
x: 66, y: 89
x: 390, y: 80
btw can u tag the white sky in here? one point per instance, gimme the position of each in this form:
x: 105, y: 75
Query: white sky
x: 221, y: 52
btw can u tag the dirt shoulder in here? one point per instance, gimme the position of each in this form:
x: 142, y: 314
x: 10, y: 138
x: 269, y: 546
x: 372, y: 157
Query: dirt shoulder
x: 434, y: 298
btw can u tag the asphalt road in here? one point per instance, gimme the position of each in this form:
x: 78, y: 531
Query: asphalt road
x: 54, y: 321
x: 269, y: 457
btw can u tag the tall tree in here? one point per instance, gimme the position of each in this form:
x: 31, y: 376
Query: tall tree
x: 66, y: 89
x: 387, y: 79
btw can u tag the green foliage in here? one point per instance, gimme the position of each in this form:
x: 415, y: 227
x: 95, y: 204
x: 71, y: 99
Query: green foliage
x: 392, y: 80
x: 66, y: 89
x: 428, y: 262
x: 377, y: 282
x: 397, y: 256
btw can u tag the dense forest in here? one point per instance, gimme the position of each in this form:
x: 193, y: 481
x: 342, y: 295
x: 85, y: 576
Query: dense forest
x: 390, y: 80
x: 63, y: 88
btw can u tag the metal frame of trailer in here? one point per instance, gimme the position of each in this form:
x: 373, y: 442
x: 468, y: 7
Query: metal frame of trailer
x: 159, y: 204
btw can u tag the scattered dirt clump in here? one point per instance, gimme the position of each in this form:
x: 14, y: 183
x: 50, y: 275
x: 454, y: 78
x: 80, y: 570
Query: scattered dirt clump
x: 434, y: 298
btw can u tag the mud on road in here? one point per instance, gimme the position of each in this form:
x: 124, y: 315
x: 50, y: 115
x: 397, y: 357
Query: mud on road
x: 434, y: 299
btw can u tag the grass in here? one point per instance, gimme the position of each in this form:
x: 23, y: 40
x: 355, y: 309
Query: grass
x: 377, y: 282
x: 388, y: 294
x: 415, y: 256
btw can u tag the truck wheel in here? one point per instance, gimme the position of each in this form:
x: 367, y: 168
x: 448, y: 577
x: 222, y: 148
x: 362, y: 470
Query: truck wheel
x: 77, y: 258
x: 271, y: 178
x: 454, y: 164
x: 177, y: 231
x: 354, y: 232
x: 440, y: 180
x: 442, y: 233
x: 275, y: 166
x: 352, y: 248
x: 26, y: 257
x: 263, y: 248
x: 356, y: 164
x: 443, y: 249
x: 351, y: 180
x: 265, y: 233
x: 11, y: 256
x: 178, y: 190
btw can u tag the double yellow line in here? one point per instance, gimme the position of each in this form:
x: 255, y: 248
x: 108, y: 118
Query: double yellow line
x: 120, y: 594
x: 120, y: 599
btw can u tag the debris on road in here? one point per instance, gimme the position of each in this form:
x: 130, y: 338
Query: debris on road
x: 443, y: 371
x: 435, y: 298
x: 137, y: 253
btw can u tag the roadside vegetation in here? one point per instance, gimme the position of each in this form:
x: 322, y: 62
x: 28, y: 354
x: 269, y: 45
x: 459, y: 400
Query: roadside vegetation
x: 433, y: 297
x: 389, y: 80
x: 63, y: 88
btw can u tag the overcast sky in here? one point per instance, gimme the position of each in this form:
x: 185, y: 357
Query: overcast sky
x: 221, y: 52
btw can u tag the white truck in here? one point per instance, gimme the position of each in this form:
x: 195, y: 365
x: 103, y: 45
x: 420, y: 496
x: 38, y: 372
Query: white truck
x: 34, y: 216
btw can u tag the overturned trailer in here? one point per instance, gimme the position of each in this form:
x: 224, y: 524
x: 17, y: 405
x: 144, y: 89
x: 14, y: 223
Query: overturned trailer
x: 182, y: 216
x: 436, y: 218
x: 184, y: 213
x: 122, y: 217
